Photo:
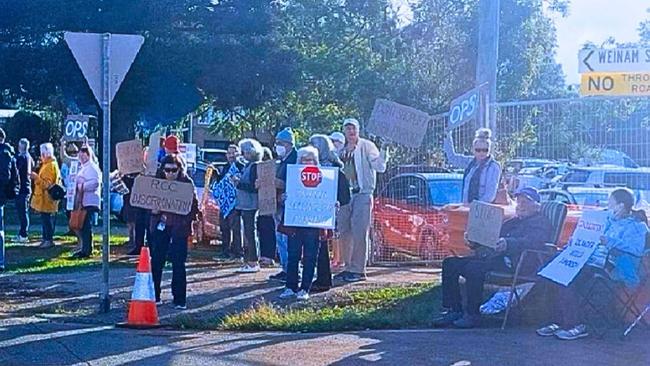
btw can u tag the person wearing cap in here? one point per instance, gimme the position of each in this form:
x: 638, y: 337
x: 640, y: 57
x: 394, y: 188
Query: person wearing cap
x: 361, y: 162
x: 529, y: 229
x: 171, y: 145
x: 285, y: 148
x: 338, y: 139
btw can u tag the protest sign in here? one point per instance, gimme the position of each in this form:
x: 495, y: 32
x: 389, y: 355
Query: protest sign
x: 188, y: 152
x: 225, y: 192
x: 129, y: 157
x: 162, y: 195
x: 566, y: 266
x: 484, y: 223
x: 311, y: 196
x: 266, y: 193
x: 399, y: 123
x: 464, y: 108
x: 75, y: 127
x: 71, y: 187
x: 152, y: 154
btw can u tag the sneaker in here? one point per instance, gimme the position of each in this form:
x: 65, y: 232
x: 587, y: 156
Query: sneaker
x: 447, y: 319
x: 579, y: 331
x: 46, y: 244
x: 267, y: 262
x: 341, y: 276
x: 467, y: 322
x: 180, y: 307
x: 302, y: 295
x: 317, y: 288
x: 355, y: 277
x: 21, y: 239
x: 249, y: 269
x: 282, y: 277
x: 549, y: 330
x: 287, y: 293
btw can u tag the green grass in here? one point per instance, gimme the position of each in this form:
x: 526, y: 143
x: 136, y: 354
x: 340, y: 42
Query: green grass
x: 380, y: 308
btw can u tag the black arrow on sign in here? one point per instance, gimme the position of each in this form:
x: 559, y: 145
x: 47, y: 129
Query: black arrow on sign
x: 587, y: 58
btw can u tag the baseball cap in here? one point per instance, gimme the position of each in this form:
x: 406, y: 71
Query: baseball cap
x: 171, y: 143
x: 351, y: 121
x: 337, y: 136
x: 530, y: 193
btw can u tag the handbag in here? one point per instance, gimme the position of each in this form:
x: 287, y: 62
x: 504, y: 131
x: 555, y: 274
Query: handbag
x: 77, y: 218
x: 56, y: 192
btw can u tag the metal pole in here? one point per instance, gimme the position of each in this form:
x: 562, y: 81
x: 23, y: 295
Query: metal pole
x: 488, y: 54
x: 105, y: 301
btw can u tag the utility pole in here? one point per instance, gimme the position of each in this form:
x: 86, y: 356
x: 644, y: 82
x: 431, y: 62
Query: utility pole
x: 488, y: 54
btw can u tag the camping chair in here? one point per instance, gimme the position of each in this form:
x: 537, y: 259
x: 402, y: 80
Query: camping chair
x: 623, y: 299
x: 556, y: 213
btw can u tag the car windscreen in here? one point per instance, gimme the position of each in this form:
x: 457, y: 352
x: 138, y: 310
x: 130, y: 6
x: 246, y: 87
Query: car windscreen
x: 446, y: 191
x: 595, y: 199
x: 214, y: 156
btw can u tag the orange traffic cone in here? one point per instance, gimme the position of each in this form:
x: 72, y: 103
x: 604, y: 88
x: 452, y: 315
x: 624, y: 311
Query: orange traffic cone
x: 142, y: 307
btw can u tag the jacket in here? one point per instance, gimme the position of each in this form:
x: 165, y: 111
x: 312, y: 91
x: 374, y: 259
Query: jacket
x: 368, y: 161
x: 25, y: 164
x: 48, y: 174
x: 490, y: 176
x: 177, y: 224
x: 292, y: 158
x: 626, y: 241
x: 89, y: 183
x: 246, y: 191
x: 9, y: 178
x: 532, y: 232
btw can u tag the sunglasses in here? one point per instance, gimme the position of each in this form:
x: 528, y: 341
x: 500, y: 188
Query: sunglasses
x: 171, y: 170
x: 481, y: 150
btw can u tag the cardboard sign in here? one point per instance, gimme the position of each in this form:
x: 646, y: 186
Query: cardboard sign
x: 484, y: 223
x: 310, y: 204
x: 162, y: 195
x: 399, y: 123
x: 207, y: 179
x: 266, y: 194
x: 130, y: 158
x: 464, y: 108
x: 152, y: 154
x: 566, y: 266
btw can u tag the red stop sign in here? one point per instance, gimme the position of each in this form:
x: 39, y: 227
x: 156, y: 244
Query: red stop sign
x: 311, y: 176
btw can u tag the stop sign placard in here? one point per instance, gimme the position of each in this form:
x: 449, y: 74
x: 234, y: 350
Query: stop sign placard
x: 311, y: 176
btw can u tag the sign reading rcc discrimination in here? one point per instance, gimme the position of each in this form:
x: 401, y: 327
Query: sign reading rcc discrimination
x: 162, y: 195
x: 399, y: 123
x: 615, y: 83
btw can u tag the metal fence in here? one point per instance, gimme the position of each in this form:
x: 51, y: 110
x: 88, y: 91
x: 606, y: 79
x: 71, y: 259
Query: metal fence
x: 579, y: 149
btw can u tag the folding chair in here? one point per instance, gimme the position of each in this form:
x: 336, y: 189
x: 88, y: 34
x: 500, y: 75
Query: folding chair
x: 556, y: 213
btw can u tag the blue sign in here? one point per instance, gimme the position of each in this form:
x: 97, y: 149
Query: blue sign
x: 225, y: 192
x: 464, y: 108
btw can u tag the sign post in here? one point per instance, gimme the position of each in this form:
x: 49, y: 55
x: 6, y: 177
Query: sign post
x: 104, y: 74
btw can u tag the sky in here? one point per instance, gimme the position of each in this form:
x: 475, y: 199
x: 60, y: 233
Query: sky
x: 595, y: 21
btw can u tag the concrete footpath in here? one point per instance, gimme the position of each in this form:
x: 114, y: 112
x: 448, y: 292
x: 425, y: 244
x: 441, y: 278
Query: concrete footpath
x: 35, y: 341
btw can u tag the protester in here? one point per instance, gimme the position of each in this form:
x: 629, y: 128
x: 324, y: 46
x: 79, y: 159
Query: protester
x: 303, y: 245
x: 623, y: 243
x: 48, y: 175
x: 70, y: 153
x: 266, y: 228
x: 231, y: 225
x: 9, y: 187
x: 482, y: 173
x: 529, y: 229
x: 287, y: 154
x: 172, y: 144
x: 247, y: 203
x: 338, y: 139
x: 328, y: 158
x: 25, y: 165
x: 88, y: 194
x: 362, y: 160
x: 169, y: 236
x: 136, y: 218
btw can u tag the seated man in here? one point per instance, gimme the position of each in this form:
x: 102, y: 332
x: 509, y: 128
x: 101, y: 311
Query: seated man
x: 529, y: 229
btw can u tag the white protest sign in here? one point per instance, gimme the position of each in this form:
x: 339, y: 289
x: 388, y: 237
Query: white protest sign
x: 566, y: 266
x: 399, y: 123
x: 484, y: 223
x: 152, y: 154
x: 71, y: 187
x: 129, y: 157
x: 162, y: 195
x: 311, y: 196
x: 225, y: 192
x: 188, y: 152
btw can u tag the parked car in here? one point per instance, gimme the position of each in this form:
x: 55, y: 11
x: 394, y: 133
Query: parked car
x: 636, y: 179
x: 211, y: 156
x: 579, y: 196
x: 609, y: 157
x: 538, y: 177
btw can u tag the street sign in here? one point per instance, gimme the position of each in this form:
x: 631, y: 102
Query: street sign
x: 87, y: 50
x: 615, y: 84
x: 614, y: 60
x: 464, y: 108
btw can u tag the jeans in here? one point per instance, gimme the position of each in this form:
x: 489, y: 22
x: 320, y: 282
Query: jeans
x: 47, y: 220
x: 281, y: 243
x: 323, y: 270
x: 168, y: 242
x: 138, y: 229
x: 305, y: 242
x: 86, y: 234
x: 266, y: 236
x: 251, y: 245
x: 22, y: 209
x: 354, y: 220
x: 473, y: 269
x: 2, y: 235
x: 231, y: 233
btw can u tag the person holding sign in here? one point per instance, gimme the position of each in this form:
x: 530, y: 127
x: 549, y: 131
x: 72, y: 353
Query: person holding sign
x: 482, y: 173
x: 230, y: 224
x: 88, y: 188
x: 622, y: 243
x: 529, y: 229
x: 169, y: 233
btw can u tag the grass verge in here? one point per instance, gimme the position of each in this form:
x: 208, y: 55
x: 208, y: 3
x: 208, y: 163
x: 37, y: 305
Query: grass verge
x: 378, y: 308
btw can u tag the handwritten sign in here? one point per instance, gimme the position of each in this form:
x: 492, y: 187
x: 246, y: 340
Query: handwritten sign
x: 71, y: 187
x: 152, y: 154
x: 76, y: 127
x: 129, y: 157
x: 162, y: 195
x: 225, y: 192
x: 566, y: 266
x: 484, y: 223
x: 399, y: 123
x: 266, y: 194
x: 311, y: 205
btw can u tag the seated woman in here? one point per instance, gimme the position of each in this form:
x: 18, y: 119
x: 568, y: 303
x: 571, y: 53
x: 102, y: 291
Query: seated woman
x: 624, y: 241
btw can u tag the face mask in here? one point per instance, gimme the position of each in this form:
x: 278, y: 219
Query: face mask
x: 280, y: 150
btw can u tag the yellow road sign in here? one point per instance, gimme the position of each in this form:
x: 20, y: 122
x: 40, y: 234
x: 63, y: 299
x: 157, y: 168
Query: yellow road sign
x: 615, y: 83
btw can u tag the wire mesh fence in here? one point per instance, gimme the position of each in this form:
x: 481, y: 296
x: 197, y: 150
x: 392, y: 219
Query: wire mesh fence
x: 574, y: 150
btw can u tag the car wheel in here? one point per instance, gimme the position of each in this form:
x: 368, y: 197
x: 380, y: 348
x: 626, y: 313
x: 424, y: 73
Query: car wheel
x: 380, y: 251
x: 430, y: 247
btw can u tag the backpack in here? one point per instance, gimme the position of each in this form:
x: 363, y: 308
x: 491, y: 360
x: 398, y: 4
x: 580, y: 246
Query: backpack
x: 9, y: 178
